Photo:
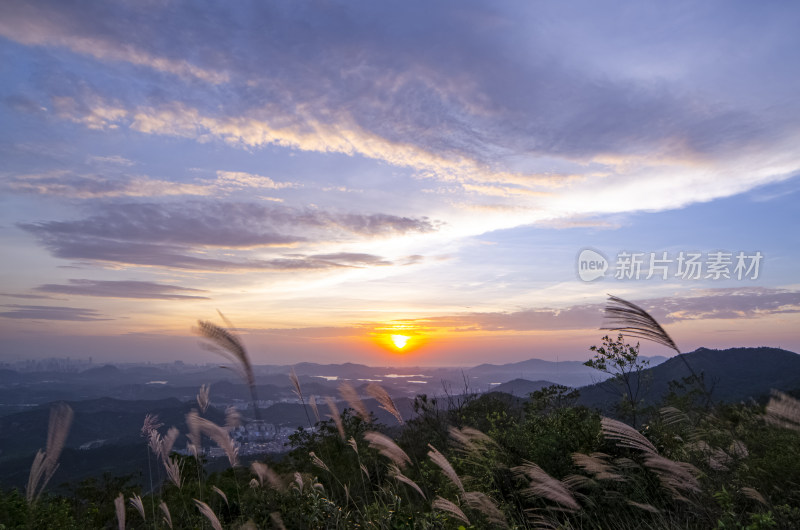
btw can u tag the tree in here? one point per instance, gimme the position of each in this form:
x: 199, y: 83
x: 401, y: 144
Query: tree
x: 621, y: 361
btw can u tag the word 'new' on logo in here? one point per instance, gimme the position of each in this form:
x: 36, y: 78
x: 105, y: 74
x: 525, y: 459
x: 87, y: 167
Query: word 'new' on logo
x: 591, y: 265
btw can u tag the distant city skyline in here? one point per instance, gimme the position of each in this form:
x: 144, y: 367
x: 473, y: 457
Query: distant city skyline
x: 399, y: 183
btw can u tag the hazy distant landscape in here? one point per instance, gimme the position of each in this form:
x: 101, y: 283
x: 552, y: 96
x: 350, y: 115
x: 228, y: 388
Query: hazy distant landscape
x: 110, y: 402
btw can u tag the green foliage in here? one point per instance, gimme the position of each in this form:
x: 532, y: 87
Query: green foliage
x: 621, y: 361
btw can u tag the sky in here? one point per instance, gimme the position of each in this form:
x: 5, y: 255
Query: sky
x: 329, y: 174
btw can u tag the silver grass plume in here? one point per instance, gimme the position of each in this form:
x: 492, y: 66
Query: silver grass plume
x: 484, y: 504
x: 136, y: 502
x: 299, y: 393
x: 626, y: 436
x: 440, y: 460
x: 219, y: 435
x: 783, y: 411
x: 263, y: 472
x: 753, y: 494
x: 444, y: 505
x: 385, y: 400
x: 396, y: 474
x: 45, y: 463
x: 277, y: 522
x: 119, y: 507
x: 167, y: 515
x: 674, y: 476
x: 312, y: 401
x: 317, y: 461
x: 228, y: 344
x: 337, y: 419
x: 173, y: 467
x: 387, y: 447
x: 351, y: 396
x: 631, y: 320
x: 598, y: 465
x: 646, y: 507
x: 150, y: 424
x: 547, y: 487
x: 221, y: 494
x: 202, y: 398
x: 353, y: 444
x: 206, y: 510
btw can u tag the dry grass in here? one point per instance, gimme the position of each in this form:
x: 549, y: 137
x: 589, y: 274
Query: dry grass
x: 277, y: 521
x: 219, y: 435
x: 136, y: 502
x: 173, y: 468
x: 484, y: 504
x: 167, y: 515
x: 387, y: 448
x: 440, y: 460
x: 312, y: 401
x: 469, y: 440
x: 206, y: 510
x: 150, y: 424
x: 751, y: 493
x: 783, y: 411
x: 626, y: 436
x: 676, y: 477
x: 351, y: 396
x: 385, y: 400
x: 396, y: 474
x: 444, y: 505
x: 298, y: 391
x: 119, y: 506
x: 202, y: 398
x: 597, y: 465
x: 263, y: 472
x: 221, y: 494
x: 317, y: 461
x: 544, y: 486
x: 353, y: 444
x: 228, y: 344
x: 45, y: 463
x: 337, y: 419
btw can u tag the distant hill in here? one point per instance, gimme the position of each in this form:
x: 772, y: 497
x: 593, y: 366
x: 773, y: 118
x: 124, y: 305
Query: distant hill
x: 735, y: 374
x: 521, y: 387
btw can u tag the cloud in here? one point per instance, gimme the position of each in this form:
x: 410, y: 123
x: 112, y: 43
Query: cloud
x: 240, y: 179
x: 733, y: 302
x: 95, y: 34
x: 90, y: 186
x: 700, y: 304
x: 115, y: 160
x: 37, y: 312
x: 202, y: 235
x: 64, y: 183
x: 124, y: 289
x: 27, y: 296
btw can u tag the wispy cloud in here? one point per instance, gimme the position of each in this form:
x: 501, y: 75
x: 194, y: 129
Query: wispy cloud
x: 124, y: 289
x: 240, y: 179
x: 37, y: 312
x: 697, y: 304
x: 89, y: 186
x: 195, y: 235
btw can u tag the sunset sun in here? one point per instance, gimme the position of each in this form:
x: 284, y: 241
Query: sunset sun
x: 399, y: 341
